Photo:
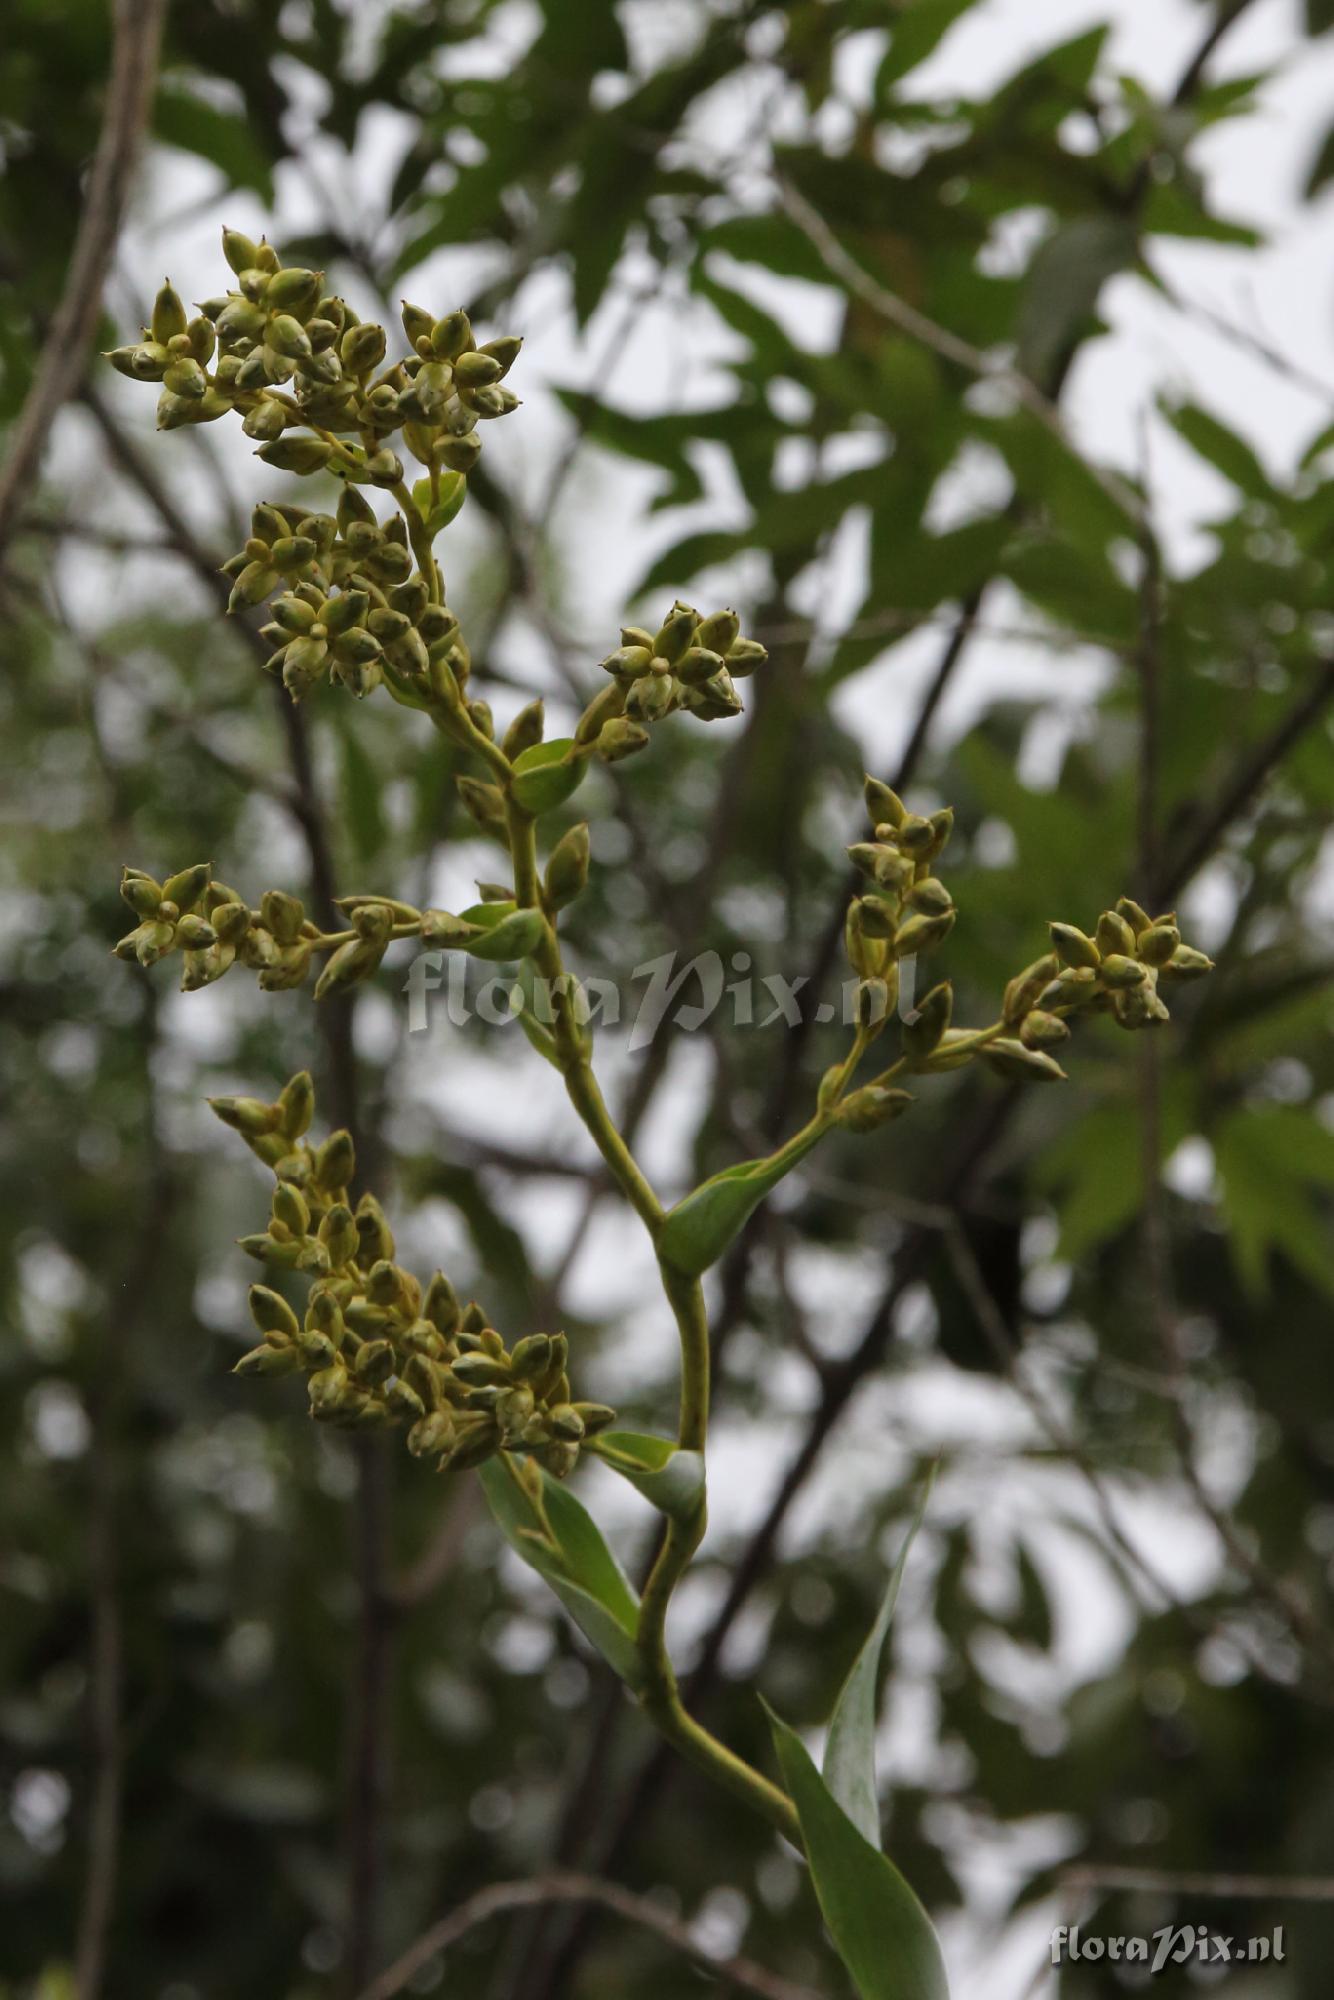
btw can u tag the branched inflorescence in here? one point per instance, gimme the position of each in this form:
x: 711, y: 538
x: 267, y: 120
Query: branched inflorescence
x: 376, y: 1346
x: 360, y: 601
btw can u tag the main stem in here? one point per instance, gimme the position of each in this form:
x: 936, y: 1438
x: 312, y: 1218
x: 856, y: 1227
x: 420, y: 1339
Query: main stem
x: 659, y: 1694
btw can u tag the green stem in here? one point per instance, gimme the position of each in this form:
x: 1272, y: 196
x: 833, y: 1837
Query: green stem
x: 420, y: 540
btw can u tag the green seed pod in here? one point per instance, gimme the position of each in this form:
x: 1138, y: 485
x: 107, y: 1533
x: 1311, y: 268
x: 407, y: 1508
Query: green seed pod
x: 267, y: 1360
x: 245, y: 1115
x: 460, y: 454
x: 449, y: 337
x: 169, y: 315
x: 484, y: 804
x: 240, y: 319
x: 1011, y: 1059
x: 1026, y: 986
x: 1158, y: 943
x: 923, y: 1030
x: 604, y: 707
x: 441, y: 1305
x: 1043, y: 1031
x: 475, y: 370
x: 433, y: 1434
x: 141, y: 892
x: 373, y: 1231
x: 335, y: 1162
x: 266, y: 421
x: 504, y: 350
x: 293, y: 292
x: 272, y: 1314
x: 284, y: 915
x: 1187, y: 963
x: 291, y: 1208
x: 1138, y: 919
x: 362, y: 348
x: 674, y: 636
x: 718, y: 632
x: 296, y: 1100
x: 1119, y: 971
x: 1073, y: 947
x: 373, y: 1362
x: 875, y: 1104
x: 697, y: 665
x: 930, y: 896
x: 567, y: 868
x: 875, y: 917
x: 350, y: 964
x: 1114, y: 935
x: 874, y: 999
x: 915, y: 835
x: 330, y: 1390
x: 286, y: 335
x: 240, y: 252
x: 566, y: 1422
x: 620, y: 738
x: 185, y: 378
x: 384, y: 468
x: 304, y: 663
x: 195, y: 934
x: 492, y: 401
x: 481, y: 1371
x: 404, y: 1401
x: 628, y: 662
x: 525, y: 731
x: 866, y: 955
x: 531, y: 1357
x: 884, y: 807
x: 417, y: 323
x: 293, y: 553
x: 185, y: 888
x: 743, y: 656
x: 921, y: 934
x: 301, y: 454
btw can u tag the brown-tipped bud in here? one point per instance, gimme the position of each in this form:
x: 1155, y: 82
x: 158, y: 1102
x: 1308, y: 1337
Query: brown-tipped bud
x: 884, y: 807
x: 1158, y: 943
x: 169, y: 315
x: 1073, y: 947
x: 1043, y: 1031
x: 927, y: 1023
x: 567, y: 869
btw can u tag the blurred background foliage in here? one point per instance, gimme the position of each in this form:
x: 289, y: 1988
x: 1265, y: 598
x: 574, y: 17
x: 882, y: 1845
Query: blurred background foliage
x: 269, y: 1704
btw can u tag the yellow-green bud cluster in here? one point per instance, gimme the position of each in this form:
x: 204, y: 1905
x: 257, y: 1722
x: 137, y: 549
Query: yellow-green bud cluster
x: 352, y: 607
x: 378, y: 1348
x: 287, y: 355
x: 903, y: 908
x: 691, y: 663
x: 1117, y: 971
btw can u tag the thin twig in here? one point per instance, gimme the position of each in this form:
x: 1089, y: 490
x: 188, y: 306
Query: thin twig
x: 138, y: 33
x: 560, y: 1887
x: 1191, y: 1882
x: 948, y: 345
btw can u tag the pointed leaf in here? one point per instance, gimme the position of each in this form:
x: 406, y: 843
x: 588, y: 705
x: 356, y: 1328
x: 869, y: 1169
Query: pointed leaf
x: 543, y: 778
x: 559, y: 1538
x: 880, y: 1930
x: 849, y: 1756
x: 703, y: 1223
x: 672, y: 1479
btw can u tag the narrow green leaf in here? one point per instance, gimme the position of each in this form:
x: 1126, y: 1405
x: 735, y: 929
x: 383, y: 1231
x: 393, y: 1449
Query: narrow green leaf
x: 1224, y: 449
x: 880, y: 1930
x: 1061, y: 291
x: 559, y: 1538
x: 703, y: 1223
x: 361, y: 794
x: 849, y: 1756
x: 672, y: 1479
x: 543, y: 777
x: 517, y: 933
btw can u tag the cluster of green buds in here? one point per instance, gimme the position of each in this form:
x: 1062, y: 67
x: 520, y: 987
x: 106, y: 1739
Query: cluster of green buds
x: 292, y: 358
x: 375, y: 1345
x: 351, y: 607
x: 904, y: 910
x: 691, y: 663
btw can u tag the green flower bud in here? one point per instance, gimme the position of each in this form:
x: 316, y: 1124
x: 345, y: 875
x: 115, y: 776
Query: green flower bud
x: 924, y: 1028
x: 675, y: 635
x: 268, y: 1360
x: 195, y: 934
x: 875, y: 1104
x: 930, y: 896
x: 620, y: 738
x: 504, y: 349
x: 1117, y: 971
x: 272, y: 1314
x: 266, y: 421
x: 884, y: 807
x: 718, y: 632
x: 743, y: 656
x: 301, y: 454
x: 335, y: 1162
x: 293, y: 292
x: 1043, y: 1031
x: 450, y: 337
x: 169, y: 315
x: 567, y: 868
x: 460, y: 454
x: 476, y: 370
x: 525, y: 731
x: 304, y: 663
x: 484, y: 804
x: 362, y: 348
x: 384, y: 468
x: 141, y: 892
x: 296, y: 1100
x: 1187, y: 963
x: 920, y: 934
x: 1026, y: 986
x: 1011, y: 1059
x: 417, y: 323
x: 1114, y: 935
x: 1138, y: 919
x: 1159, y: 942
x: 240, y: 252
x: 185, y: 888
x: 245, y: 1115
x: 1072, y: 947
